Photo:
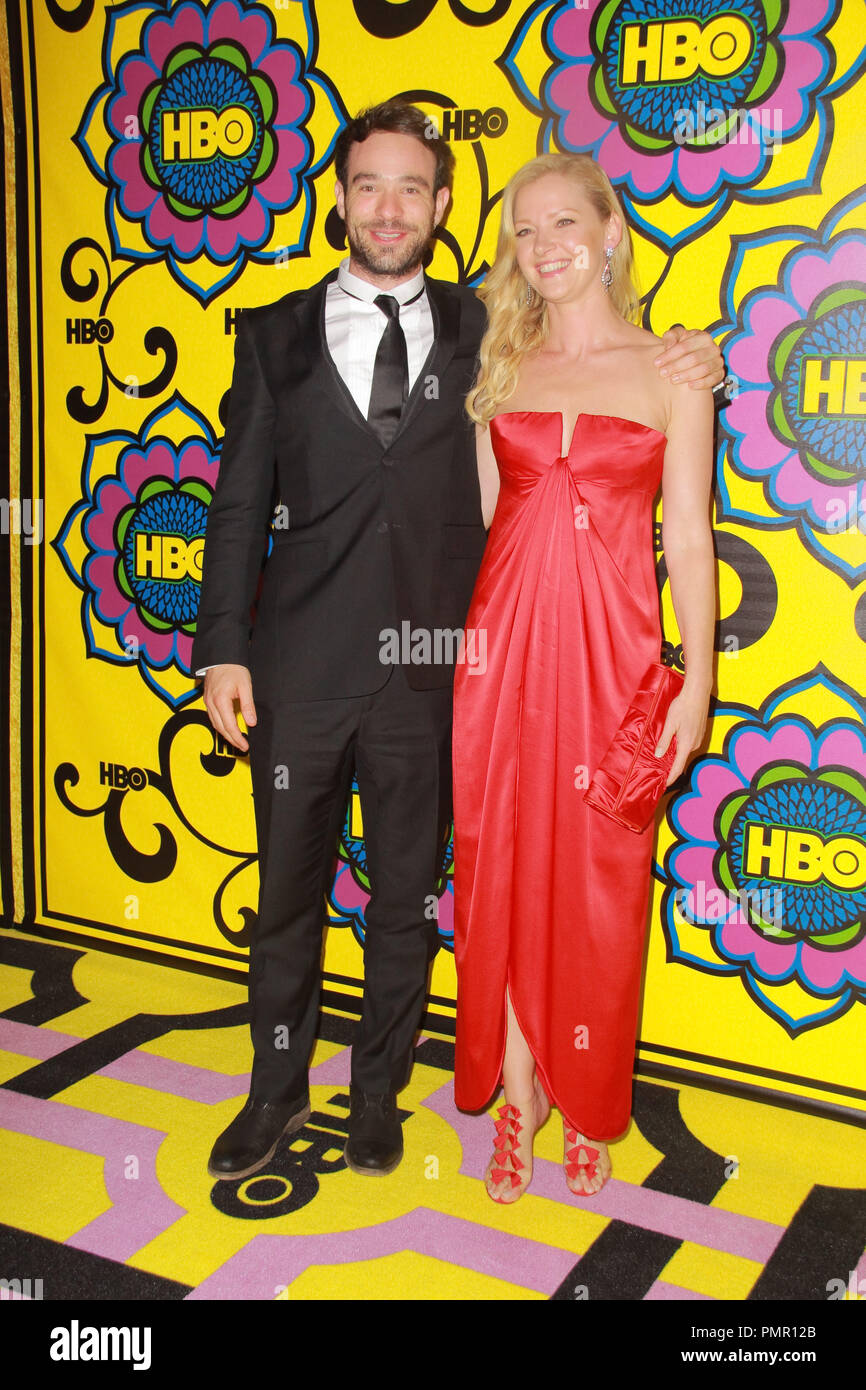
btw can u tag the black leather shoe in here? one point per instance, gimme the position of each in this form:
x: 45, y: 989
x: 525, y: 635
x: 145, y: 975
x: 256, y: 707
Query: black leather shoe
x: 375, y: 1142
x: 253, y: 1135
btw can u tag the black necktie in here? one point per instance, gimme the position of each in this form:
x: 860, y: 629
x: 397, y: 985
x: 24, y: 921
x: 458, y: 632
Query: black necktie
x: 390, y: 373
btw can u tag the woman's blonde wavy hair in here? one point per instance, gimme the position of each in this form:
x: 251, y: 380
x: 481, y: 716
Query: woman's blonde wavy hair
x: 517, y: 325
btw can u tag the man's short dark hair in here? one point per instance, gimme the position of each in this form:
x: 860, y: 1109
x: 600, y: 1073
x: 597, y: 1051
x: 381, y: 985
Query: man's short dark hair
x: 398, y: 118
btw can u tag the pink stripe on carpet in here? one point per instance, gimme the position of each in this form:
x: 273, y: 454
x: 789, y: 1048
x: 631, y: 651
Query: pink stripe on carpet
x: 137, y: 1068
x: 661, y: 1291
x: 270, y: 1263
x: 140, y: 1209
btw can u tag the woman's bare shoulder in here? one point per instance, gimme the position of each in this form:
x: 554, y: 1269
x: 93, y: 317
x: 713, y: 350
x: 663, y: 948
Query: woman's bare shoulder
x: 640, y: 339
x: 634, y: 364
x: 635, y: 354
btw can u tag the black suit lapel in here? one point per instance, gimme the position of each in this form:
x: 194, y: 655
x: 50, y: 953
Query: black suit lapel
x: 311, y: 345
x: 329, y: 378
x: 445, y: 309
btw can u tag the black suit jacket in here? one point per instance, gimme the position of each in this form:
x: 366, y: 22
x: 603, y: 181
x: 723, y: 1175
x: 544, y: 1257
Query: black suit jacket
x: 376, y: 538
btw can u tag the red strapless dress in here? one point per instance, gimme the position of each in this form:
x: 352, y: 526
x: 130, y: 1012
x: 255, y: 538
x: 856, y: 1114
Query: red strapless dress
x: 551, y: 896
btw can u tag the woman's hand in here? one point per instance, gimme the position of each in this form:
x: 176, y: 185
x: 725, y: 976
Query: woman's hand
x: 687, y: 719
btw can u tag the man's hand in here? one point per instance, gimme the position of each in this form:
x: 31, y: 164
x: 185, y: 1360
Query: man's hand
x: 691, y: 355
x: 223, y: 685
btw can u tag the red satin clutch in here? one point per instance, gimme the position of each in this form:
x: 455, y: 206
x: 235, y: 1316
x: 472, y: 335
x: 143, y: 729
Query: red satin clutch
x: 629, y: 781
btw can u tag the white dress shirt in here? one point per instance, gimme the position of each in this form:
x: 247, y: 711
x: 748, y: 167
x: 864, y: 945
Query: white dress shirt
x: 354, y: 325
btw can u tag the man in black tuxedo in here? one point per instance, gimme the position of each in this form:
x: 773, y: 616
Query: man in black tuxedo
x: 346, y: 412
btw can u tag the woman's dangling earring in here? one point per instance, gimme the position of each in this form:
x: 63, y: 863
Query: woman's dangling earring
x: 607, y: 272
x: 528, y: 293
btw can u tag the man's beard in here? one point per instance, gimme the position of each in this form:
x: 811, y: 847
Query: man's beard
x: 388, y: 261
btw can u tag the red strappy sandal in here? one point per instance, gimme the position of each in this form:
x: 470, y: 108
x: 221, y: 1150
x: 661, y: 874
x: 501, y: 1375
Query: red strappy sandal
x: 576, y: 1165
x: 506, y: 1165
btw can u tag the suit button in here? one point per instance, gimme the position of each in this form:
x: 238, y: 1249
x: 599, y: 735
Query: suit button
x: 382, y: 527
x: 389, y: 463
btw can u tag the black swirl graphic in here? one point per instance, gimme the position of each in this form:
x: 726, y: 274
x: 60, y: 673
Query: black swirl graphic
x: 223, y: 408
x: 70, y: 20
x: 476, y: 19
x: 156, y: 340
x: 75, y: 289
x: 387, y: 21
x: 155, y: 867
x: 391, y: 21
x: 754, y: 614
x: 78, y: 408
x: 335, y: 230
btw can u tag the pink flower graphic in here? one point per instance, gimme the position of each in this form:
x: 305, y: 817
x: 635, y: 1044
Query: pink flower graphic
x: 792, y: 423
x: 655, y: 127
x: 142, y: 520
x: 776, y: 914
x: 208, y: 140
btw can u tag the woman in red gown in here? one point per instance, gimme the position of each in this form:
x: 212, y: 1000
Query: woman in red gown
x: 576, y: 431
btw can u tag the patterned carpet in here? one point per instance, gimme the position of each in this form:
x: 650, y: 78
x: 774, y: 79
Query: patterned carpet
x: 117, y: 1075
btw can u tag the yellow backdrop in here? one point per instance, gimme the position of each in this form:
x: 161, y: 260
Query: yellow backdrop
x: 173, y: 166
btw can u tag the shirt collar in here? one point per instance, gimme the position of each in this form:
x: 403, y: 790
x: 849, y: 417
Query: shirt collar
x: 362, y: 289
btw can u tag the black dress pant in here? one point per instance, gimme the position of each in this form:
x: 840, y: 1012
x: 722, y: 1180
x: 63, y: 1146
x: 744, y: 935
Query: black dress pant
x: 302, y: 754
